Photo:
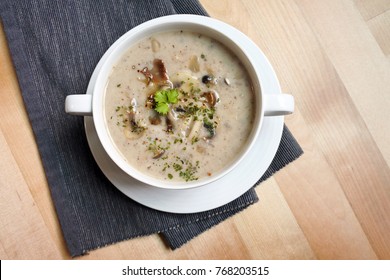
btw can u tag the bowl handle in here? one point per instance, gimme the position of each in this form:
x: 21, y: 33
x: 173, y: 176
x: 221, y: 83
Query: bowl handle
x: 278, y: 104
x: 79, y: 104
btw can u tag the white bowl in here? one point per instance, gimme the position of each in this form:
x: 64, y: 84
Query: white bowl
x: 236, y: 41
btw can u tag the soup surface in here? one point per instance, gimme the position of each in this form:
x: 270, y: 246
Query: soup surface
x: 179, y: 106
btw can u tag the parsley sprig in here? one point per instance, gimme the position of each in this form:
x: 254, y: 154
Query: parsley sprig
x: 163, y: 98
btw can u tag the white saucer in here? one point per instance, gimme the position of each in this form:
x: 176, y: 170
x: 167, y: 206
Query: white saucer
x: 207, y: 197
x: 210, y: 196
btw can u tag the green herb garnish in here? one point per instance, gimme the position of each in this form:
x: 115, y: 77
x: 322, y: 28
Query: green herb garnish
x: 163, y: 98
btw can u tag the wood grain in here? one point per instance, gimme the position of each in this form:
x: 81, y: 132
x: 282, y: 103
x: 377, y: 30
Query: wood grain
x: 331, y: 203
x: 372, y: 8
x: 379, y: 27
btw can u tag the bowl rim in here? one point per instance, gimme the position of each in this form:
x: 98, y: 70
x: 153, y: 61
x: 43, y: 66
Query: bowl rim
x: 227, y: 35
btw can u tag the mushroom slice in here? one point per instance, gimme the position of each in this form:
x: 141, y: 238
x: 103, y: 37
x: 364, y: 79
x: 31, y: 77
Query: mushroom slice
x: 167, y: 85
x: 148, y: 75
x: 171, y: 120
x: 212, y: 97
x: 158, y: 74
x: 169, y: 124
x: 194, y: 64
x: 172, y: 114
x: 155, y: 45
x: 154, y: 118
x: 209, y: 80
x: 131, y: 135
x: 195, y: 128
x: 159, y: 71
x: 133, y: 108
x: 150, y: 102
x: 135, y: 129
x: 158, y: 154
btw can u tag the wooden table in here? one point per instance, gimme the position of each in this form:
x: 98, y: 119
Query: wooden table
x: 332, y: 203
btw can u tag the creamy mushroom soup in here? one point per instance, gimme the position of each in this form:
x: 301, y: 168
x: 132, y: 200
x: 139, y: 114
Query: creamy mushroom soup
x: 179, y: 106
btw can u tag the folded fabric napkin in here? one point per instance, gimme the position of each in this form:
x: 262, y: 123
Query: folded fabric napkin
x: 55, y: 46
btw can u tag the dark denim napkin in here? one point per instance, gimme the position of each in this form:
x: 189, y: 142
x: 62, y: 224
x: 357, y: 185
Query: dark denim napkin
x: 55, y: 46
